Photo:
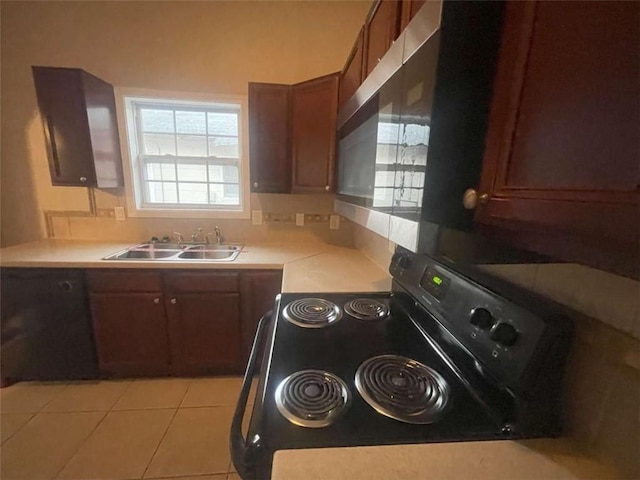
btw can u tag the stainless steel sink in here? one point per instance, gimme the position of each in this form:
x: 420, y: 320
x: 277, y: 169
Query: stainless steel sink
x: 167, y: 252
x: 207, y: 254
x: 142, y: 254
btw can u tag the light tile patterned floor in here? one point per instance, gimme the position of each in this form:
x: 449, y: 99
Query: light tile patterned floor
x: 121, y: 429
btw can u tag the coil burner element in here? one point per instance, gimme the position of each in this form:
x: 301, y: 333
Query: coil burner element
x: 312, y: 312
x: 403, y: 389
x: 312, y: 398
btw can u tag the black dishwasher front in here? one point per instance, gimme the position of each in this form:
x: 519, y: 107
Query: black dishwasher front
x: 45, y: 326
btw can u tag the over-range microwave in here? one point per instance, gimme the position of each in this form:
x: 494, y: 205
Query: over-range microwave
x: 415, y: 146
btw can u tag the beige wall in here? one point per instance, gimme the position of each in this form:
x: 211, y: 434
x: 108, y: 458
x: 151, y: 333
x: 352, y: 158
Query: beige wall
x: 213, y: 47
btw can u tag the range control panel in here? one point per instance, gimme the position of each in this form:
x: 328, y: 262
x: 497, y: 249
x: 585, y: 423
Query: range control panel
x: 502, y: 335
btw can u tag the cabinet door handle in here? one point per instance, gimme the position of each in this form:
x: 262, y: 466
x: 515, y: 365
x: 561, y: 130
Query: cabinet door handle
x: 156, y: 300
x: 66, y: 286
x: 472, y: 198
x: 173, y: 301
x: 327, y: 188
x: 255, y: 184
x: 83, y: 179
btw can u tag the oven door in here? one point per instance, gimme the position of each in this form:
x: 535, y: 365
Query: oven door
x: 247, y: 452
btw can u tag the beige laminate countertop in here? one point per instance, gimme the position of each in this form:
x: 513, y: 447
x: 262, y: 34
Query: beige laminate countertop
x: 306, y: 267
x: 544, y: 459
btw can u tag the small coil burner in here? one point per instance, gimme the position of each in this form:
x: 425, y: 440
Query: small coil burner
x: 312, y: 312
x: 403, y: 389
x: 312, y: 398
x: 366, y: 309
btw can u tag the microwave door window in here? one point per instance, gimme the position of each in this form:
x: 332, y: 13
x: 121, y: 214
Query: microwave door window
x: 356, y: 170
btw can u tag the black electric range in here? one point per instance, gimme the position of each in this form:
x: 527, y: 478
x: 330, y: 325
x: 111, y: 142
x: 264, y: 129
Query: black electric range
x: 439, y: 358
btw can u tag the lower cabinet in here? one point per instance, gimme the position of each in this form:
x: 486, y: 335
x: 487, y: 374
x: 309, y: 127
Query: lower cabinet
x: 177, y: 322
x: 131, y: 333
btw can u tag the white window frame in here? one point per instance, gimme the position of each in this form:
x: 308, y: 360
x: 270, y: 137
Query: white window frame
x: 125, y: 106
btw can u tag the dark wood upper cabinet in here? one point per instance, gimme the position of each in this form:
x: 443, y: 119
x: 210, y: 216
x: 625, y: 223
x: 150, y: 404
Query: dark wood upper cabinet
x: 79, y: 118
x: 270, y: 137
x: 561, y: 168
x: 314, y: 107
x: 381, y: 29
x: 408, y: 10
x: 258, y: 290
x: 351, y: 76
x: 292, y: 135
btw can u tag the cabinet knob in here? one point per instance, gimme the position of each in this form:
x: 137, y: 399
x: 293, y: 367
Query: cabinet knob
x: 327, y: 188
x: 471, y: 198
x: 173, y: 301
x: 83, y: 179
x: 255, y: 184
x: 156, y: 300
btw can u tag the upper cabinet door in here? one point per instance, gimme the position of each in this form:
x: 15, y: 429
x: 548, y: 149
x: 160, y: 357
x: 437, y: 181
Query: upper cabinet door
x: 351, y: 77
x: 314, y: 111
x: 408, y: 11
x: 562, y: 150
x: 79, y: 119
x: 270, y: 143
x: 381, y: 30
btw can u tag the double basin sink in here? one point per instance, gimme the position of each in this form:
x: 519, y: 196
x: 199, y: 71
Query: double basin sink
x: 178, y: 252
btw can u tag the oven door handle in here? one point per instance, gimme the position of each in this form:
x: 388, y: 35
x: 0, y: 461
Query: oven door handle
x: 241, y: 448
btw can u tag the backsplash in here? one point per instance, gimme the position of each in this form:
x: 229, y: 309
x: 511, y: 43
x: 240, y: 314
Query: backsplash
x: 602, y: 404
x: 278, y: 222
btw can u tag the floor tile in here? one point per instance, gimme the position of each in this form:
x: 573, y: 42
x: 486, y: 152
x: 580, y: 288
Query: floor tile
x: 120, y: 447
x: 28, y: 397
x: 10, y: 423
x: 212, y: 392
x: 88, y: 396
x: 42, y: 447
x: 197, y: 443
x: 160, y: 393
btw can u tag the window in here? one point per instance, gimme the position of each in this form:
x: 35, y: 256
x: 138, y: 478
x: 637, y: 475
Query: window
x: 185, y: 157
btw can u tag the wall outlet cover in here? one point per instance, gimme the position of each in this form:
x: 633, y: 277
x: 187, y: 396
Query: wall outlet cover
x: 119, y: 214
x: 299, y: 219
x: 256, y: 217
x: 334, y: 222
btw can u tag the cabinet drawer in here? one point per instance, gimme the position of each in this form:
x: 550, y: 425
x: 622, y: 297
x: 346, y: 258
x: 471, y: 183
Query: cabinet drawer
x: 124, y: 281
x: 202, y: 282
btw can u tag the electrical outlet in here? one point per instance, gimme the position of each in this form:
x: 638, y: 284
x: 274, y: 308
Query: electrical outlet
x: 256, y: 217
x: 334, y: 222
x: 119, y: 213
x: 299, y: 219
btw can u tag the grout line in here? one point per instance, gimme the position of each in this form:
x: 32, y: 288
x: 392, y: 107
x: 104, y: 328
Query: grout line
x: 21, y: 426
x: 84, y: 441
x: 155, y: 451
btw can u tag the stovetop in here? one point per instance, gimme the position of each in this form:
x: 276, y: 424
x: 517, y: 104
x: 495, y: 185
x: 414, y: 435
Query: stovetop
x: 339, y: 348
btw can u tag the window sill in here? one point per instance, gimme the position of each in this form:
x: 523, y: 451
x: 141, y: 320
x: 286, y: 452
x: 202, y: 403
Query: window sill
x: 188, y: 213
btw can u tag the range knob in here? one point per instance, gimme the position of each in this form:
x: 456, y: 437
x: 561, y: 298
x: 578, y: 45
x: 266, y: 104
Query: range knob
x: 402, y: 260
x: 504, y: 334
x: 481, y: 318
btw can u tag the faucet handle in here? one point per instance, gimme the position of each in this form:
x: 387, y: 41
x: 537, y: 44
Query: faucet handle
x: 194, y: 235
x: 178, y: 236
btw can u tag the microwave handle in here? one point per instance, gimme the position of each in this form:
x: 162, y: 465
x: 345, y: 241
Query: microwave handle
x: 242, y: 448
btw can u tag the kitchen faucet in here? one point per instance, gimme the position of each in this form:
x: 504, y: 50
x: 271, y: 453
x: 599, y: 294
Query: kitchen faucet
x: 194, y: 235
x: 179, y: 238
x: 218, y: 233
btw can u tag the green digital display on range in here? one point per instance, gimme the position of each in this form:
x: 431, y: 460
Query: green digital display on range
x: 435, y: 282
